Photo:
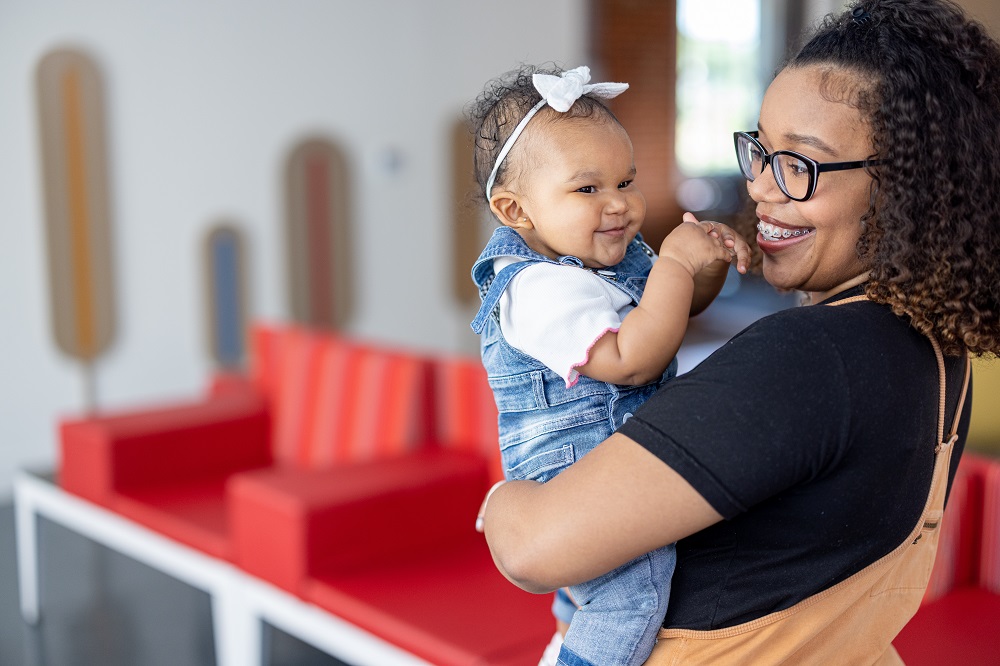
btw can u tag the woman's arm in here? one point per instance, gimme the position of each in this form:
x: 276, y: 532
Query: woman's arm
x: 616, y: 503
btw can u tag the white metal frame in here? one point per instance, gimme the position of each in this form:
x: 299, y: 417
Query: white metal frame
x: 240, y: 602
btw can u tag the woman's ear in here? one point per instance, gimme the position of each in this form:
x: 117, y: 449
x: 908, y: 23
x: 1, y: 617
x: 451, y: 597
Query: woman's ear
x: 509, y: 211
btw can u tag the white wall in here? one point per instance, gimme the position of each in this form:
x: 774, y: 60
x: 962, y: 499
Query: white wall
x: 204, y: 98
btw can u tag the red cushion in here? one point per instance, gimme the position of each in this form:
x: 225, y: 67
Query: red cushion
x: 957, y: 561
x: 191, y: 513
x: 466, y: 414
x: 451, y: 607
x: 365, y: 403
x: 108, y: 453
x: 989, y: 565
x: 289, y: 522
x: 959, y: 628
x: 338, y: 400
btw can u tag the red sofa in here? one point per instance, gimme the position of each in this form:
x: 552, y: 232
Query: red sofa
x: 349, y: 475
x: 346, y: 473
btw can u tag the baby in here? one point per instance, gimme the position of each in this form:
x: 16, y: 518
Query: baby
x: 580, y: 320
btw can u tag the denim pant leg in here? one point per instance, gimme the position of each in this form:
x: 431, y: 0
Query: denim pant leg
x: 620, y: 613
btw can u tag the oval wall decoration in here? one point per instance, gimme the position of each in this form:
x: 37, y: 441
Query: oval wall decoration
x: 318, y: 234
x: 467, y: 215
x: 77, y: 211
x: 226, y: 297
x: 77, y: 215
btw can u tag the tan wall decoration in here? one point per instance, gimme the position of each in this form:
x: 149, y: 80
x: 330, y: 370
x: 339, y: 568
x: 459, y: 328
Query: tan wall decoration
x: 466, y: 215
x: 77, y: 211
x: 318, y: 234
x: 226, y: 294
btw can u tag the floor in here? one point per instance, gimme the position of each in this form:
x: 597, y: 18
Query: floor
x: 100, y: 608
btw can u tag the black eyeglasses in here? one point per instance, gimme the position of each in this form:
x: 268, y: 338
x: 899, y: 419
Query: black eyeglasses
x: 795, y: 174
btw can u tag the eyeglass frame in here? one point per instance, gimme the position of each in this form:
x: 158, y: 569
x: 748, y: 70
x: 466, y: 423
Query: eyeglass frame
x: 814, y: 168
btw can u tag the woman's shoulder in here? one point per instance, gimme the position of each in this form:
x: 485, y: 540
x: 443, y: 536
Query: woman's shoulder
x: 831, y: 319
x: 818, y: 336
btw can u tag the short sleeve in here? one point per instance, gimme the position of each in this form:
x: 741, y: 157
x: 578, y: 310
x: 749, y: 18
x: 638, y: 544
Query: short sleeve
x: 768, y: 410
x: 555, y: 313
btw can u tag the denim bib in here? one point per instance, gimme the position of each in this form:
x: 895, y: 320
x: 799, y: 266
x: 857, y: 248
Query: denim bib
x: 543, y: 425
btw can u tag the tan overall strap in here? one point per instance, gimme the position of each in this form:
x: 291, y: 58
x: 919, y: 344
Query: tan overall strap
x: 852, y: 622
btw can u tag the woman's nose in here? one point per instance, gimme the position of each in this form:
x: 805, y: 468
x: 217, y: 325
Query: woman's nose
x: 765, y: 188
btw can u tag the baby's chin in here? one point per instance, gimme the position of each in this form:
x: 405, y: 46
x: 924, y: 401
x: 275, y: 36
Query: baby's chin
x: 604, y: 262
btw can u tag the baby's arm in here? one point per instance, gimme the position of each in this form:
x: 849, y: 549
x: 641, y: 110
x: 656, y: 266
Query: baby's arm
x: 652, y: 332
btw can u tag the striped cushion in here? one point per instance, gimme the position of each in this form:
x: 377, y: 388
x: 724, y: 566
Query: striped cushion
x: 466, y: 414
x: 969, y: 549
x: 989, y: 563
x: 959, y: 531
x: 337, y: 400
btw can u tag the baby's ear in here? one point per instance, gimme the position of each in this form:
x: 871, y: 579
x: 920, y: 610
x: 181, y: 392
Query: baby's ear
x: 509, y: 211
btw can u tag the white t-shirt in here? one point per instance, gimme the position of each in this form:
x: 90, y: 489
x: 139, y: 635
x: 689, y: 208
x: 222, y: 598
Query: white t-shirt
x: 556, y: 313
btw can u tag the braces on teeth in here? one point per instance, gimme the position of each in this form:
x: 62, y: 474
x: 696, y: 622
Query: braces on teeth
x: 770, y: 232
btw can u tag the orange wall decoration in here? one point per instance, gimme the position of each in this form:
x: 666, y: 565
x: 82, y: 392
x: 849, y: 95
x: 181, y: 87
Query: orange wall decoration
x: 318, y: 234
x: 77, y: 211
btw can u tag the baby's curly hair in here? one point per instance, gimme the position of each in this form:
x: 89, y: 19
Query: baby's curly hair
x: 932, y: 232
x: 494, y: 114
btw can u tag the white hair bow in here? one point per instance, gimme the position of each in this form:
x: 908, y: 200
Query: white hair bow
x: 559, y: 92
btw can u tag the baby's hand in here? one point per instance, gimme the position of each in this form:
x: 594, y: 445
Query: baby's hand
x: 738, y: 247
x: 695, y: 245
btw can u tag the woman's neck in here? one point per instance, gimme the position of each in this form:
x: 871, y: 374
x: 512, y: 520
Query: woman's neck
x: 814, y: 297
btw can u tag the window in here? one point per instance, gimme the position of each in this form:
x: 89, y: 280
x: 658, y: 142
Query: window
x: 718, y: 81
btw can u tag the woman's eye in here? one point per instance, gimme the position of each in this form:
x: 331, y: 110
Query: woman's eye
x: 625, y: 183
x: 587, y: 189
x: 797, y: 168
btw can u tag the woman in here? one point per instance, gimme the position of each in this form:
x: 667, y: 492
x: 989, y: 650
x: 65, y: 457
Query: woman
x: 802, y: 468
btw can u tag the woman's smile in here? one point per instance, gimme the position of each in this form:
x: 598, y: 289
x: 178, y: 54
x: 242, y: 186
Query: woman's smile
x: 773, y: 235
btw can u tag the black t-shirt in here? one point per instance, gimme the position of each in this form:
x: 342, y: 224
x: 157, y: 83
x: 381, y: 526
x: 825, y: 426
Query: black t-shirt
x: 812, y: 432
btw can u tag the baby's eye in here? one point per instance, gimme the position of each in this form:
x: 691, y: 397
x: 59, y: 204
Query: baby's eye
x: 587, y: 189
x: 625, y: 183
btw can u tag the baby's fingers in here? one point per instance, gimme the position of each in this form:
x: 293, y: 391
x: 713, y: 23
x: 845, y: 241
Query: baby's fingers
x: 708, y: 227
x: 739, y: 247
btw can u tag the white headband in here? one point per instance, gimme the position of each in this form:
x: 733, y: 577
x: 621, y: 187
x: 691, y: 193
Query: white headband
x: 559, y: 92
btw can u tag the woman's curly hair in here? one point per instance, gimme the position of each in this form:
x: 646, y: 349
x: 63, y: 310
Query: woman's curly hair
x: 504, y: 101
x: 932, y: 233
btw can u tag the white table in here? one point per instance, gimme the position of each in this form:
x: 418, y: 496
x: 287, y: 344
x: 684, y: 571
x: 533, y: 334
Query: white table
x: 240, y: 602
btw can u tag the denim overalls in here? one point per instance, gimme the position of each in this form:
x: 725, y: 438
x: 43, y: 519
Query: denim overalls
x: 544, y: 427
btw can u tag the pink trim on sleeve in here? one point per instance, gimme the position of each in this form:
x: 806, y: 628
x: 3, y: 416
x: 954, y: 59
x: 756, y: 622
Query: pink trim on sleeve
x: 574, y: 376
